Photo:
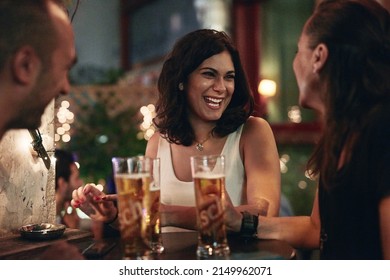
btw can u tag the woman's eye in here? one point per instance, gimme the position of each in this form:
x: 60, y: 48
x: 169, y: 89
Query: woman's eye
x: 208, y: 73
x: 230, y: 77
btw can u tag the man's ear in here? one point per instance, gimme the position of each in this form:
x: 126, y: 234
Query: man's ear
x: 320, y: 56
x: 25, y: 65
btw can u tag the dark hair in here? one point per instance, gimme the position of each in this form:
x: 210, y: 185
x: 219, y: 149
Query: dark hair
x: 172, y: 107
x: 64, y: 160
x: 26, y: 22
x: 357, y: 35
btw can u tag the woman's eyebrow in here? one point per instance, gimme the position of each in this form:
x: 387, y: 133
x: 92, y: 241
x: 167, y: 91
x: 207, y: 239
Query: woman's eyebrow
x: 215, y: 70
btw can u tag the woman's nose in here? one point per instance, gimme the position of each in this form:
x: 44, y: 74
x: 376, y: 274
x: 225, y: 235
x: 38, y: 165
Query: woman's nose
x: 219, y: 84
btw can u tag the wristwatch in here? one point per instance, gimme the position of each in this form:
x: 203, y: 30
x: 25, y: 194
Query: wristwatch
x: 249, y: 224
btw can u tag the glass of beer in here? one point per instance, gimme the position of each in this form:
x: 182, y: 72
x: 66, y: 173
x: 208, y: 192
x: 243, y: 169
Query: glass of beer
x: 151, y: 223
x: 208, y: 173
x: 137, y: 184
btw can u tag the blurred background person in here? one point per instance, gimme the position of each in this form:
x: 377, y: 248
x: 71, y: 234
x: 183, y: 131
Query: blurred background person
x: 68, y: 179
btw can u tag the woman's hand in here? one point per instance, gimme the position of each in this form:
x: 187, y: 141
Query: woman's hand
x: 233, y: 216
x: 95, y: 203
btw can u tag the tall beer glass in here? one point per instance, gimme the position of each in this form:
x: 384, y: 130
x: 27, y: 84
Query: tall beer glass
x: 208, y: 173
x: 137, y: 184
x: 151, y: 223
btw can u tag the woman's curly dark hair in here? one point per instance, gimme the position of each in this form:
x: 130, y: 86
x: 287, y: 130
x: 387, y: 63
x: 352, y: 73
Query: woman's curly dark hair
x: 172, y: 107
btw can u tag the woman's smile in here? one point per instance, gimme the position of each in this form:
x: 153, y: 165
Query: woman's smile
x: 213, y: 102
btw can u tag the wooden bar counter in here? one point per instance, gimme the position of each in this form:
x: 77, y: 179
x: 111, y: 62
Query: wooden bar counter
x: 15, y: 247
x: 178, y: 246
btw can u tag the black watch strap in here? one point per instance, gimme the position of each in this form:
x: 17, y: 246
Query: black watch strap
x: 249, y: 224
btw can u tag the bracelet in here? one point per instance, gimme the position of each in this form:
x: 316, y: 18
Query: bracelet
x: 249, y: 224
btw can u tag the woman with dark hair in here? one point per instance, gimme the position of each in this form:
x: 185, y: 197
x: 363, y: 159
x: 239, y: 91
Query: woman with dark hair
x: 342, y: 68
x: 205, y: 108
x: 174, y: 106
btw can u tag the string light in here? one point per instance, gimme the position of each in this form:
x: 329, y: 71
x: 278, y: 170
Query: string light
x: 147, y: 127
x: 294, y: 114
x: 267, y: 88
x: 65, y: 117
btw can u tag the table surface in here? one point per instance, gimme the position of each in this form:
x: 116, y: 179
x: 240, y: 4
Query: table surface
x: 178, y: 246
x: 182, y: 246
x: 14, y: 247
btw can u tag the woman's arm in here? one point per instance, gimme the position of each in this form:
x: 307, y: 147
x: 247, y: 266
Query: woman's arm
x: 262, y: 167
x: 300, y: 232
x: 152, y: 146
x: 384, y: 219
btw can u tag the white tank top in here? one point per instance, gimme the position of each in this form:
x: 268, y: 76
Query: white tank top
x: 176, y: 192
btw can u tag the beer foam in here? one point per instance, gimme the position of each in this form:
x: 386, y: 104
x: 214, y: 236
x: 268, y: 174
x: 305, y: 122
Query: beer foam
x: 133, y: 176
x: 206, y: 175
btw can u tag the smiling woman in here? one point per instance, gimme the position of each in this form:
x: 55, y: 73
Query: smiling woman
x: 204, y: 108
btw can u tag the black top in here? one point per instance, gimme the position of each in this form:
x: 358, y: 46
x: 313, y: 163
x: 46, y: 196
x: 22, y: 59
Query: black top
x: 349, y: 209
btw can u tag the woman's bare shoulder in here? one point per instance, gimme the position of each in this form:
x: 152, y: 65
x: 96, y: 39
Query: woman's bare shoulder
x: 257, y: 131
x: 152, y: 146
x: 256, y: 124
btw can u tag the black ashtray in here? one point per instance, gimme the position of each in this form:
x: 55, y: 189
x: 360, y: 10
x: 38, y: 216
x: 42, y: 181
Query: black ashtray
x: 42, y: 231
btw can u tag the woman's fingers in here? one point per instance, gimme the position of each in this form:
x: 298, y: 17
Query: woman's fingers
x: 110, y: 197
x: 94, y: 202
x: 89, y: 192
x: 94, y: 191
x: 76, y: 197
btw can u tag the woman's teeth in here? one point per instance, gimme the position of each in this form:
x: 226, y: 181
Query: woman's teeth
x: 214, y: 102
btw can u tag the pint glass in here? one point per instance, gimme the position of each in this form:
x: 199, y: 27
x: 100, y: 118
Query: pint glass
x: 208, y: 173
x: 137, y: 184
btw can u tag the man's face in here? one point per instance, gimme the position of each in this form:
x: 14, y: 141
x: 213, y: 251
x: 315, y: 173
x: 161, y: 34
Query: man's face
x: 53, y: 78
x: 74, y: 180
